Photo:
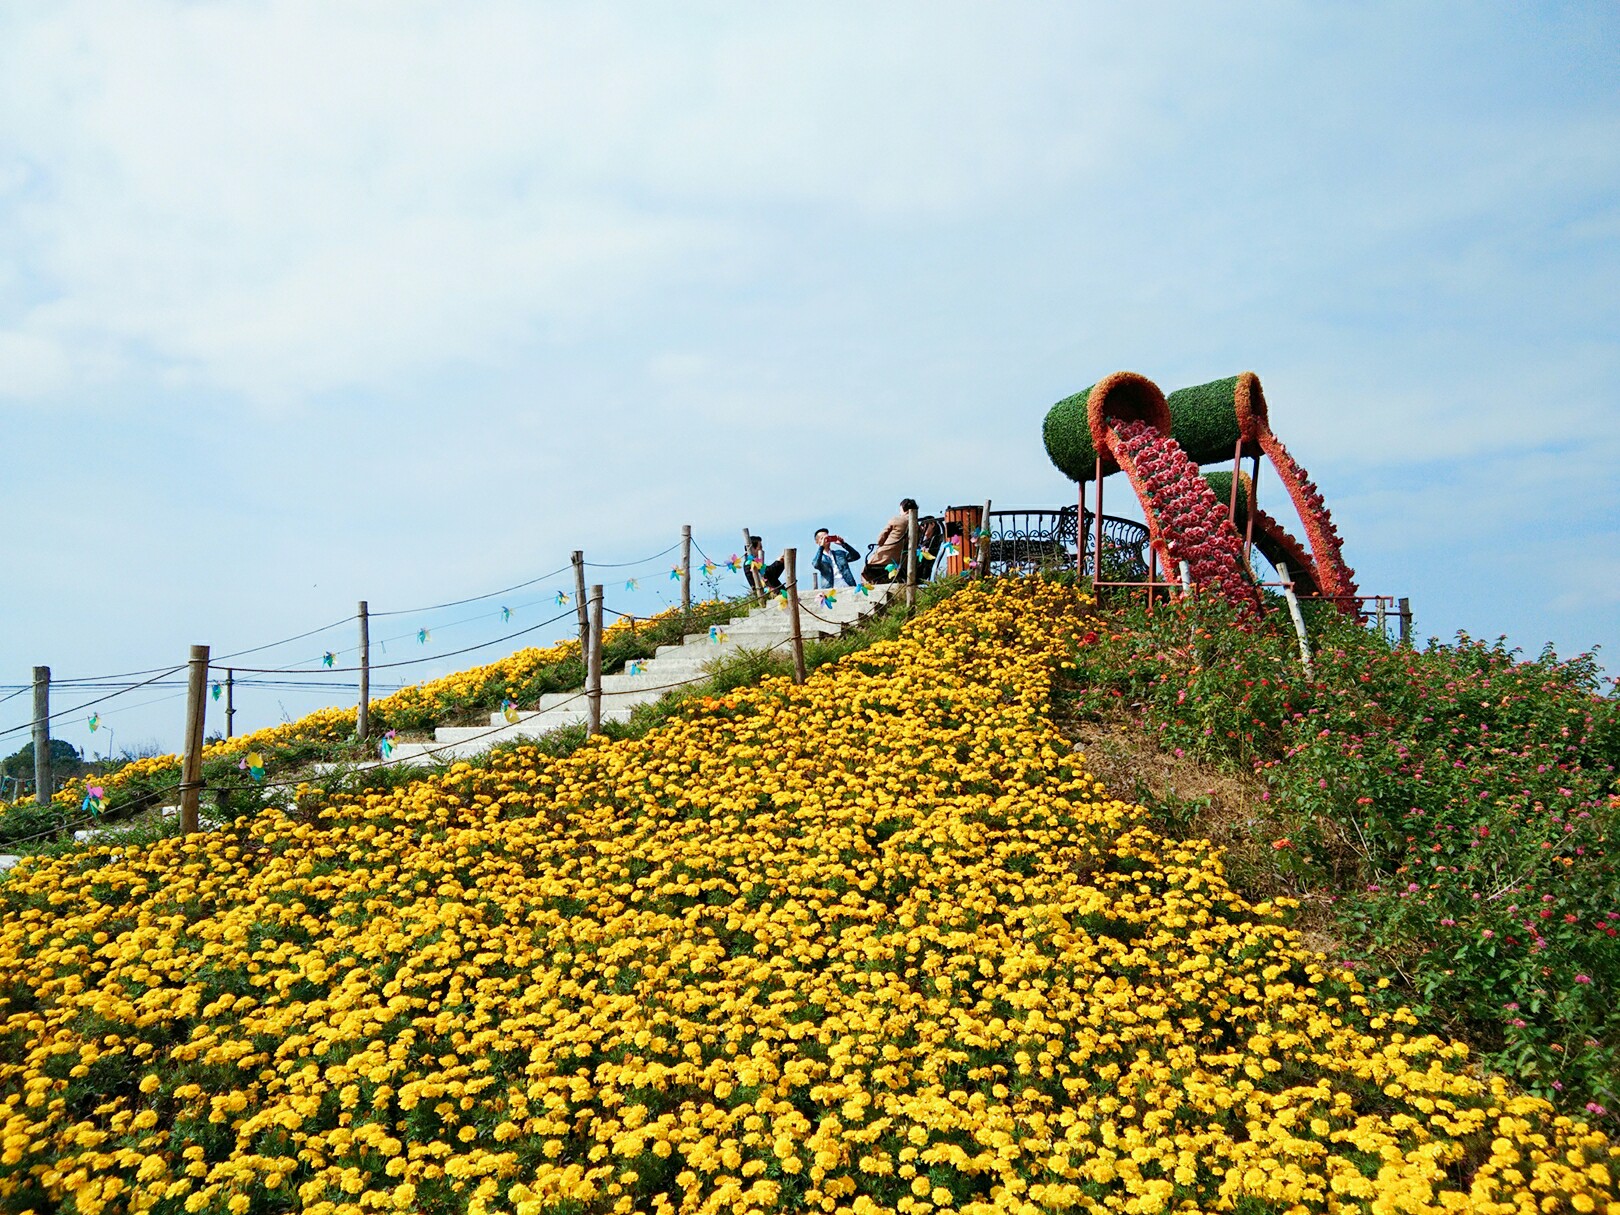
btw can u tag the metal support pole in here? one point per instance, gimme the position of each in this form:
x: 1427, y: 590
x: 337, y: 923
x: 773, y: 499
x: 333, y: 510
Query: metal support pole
x: 983, y: 554
x: 1383, y: 623
x: 911, y: 561
x: 1237, y: 471
x: 196, y: 706
x: 230, y: 702
x: 43, y: 785
x: 1096, y: 534
x: 1405, y: 606
x: 582, y: 609
x: 791, y: 559
x: 362, y: 716
x: 594, y: 669
x: 686, y: 568
x: 1254, y: 506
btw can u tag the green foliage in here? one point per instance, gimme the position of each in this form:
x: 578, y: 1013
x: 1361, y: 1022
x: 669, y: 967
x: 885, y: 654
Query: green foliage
x: 1204, y: 421
x: 1458, y: 804
x: 1067, y: 434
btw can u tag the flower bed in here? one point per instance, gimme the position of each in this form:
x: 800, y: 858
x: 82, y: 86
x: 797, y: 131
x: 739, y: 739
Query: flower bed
x: 878, y: 943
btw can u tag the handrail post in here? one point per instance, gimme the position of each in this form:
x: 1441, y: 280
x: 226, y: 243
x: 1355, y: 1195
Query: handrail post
x: 196, y: 706
x: 790, y: 558
x: 42, y: 736
x: 594, y: 670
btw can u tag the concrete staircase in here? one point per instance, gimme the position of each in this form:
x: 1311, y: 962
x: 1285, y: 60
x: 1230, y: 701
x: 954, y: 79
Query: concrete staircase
x: 672, y: 667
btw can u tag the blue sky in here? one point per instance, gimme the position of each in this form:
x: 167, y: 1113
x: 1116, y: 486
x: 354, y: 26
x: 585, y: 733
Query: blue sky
x: 303, y: 304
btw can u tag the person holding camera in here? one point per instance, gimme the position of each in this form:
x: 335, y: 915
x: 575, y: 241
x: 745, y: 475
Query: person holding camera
x: 830, y: 549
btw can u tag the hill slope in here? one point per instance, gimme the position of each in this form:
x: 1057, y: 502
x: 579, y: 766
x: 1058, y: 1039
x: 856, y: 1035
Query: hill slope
x: 877, y: 943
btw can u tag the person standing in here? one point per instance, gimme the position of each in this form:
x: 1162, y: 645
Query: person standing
x: 830, y: 549
x: 891, y: 543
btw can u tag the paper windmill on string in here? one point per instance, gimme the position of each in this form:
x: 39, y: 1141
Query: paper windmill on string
x: 506, y: 613
x: 892, y: 568
x: 757, y: 562
x: 631, y: 585
x: 509, y: 710
x: 562, y: 599
x: 716, y: 634
x: 828, y: 598
x: 253, y: 764
x: 95, y: 722
x: 217, y: 689
x: 983, y: 533
x: 328, y: 658
x: 949, y: 549
x: 674, y: 573
x: 782, y: 598
x: 863, y: 589
x: 709, y: 568
x: 735, y: 564
x: 637, y: 667
x: 95, y: 799
x: 386, y: 746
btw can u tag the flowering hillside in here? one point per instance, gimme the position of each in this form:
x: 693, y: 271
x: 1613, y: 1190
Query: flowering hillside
x: 879, y: 943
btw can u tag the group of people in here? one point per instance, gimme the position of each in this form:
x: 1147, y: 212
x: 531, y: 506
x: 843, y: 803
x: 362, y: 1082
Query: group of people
x: 833, y: 556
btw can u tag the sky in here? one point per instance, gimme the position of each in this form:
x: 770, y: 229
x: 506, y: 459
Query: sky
x: 303, y: 304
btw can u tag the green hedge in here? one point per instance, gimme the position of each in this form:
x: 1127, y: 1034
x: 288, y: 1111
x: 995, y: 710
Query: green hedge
x: 1204, y: 421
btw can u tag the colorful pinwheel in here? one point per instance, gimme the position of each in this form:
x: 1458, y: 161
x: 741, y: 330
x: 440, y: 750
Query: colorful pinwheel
x: 716, y: 634
x: 892, y: 568
x: 735, y: 564
x: 253, y: 764
x: 95, y: 722
x: 328, y: 658
x: 949, y: 549
x: 828, y: 598
x: 674, y: 573
x: 385, y: 746
x: 637, y: 667
x: 217, y: 689
x: 506, y: 613
x: 863, y: 589
x: 631, y: 585
x: 709, y: 568
x: 95, y: 799
x: 562, y: 598
x: 509, y: 710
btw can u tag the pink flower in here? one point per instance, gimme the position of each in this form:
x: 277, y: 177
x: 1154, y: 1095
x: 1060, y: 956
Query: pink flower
x: 1583, y: 978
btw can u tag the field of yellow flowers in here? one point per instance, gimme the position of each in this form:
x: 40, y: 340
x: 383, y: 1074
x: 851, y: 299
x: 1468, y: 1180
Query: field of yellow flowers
x: 878, y: 943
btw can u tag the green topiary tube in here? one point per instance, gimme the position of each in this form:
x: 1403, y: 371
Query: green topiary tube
x: 1207, y: 419
x: 1074, y: 425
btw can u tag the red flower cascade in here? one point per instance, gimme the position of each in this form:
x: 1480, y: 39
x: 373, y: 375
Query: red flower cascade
x: 1185, y: 521
x: 1335, y: 578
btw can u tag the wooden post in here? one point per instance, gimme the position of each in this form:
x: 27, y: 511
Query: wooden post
x: 230, y: 701
x: 984, y: 539
x: 911, y: 560
x: 594, y: 670
x: 191, y: 767
x: 791, y: 558
x: 43, y: 785
x: 362, y: 717
x: 686, y: 568
x: 582, y: 610
x: 1383, y: 623
x: 1298, y: 619
x: 1405, y: 606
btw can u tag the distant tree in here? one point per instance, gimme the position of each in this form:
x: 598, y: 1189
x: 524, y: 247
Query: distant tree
x: 65, y: 757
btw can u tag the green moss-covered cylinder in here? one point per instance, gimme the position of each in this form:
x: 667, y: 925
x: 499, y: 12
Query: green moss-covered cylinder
x: 1208, y: 419
x: 1068, y: 438
x: 1075, y: 425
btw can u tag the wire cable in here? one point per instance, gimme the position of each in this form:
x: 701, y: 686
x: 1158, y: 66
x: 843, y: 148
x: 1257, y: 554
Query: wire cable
x: 474, y: 599
x: 87, y: 704
x: 624, y: 565
x: 409, y: 662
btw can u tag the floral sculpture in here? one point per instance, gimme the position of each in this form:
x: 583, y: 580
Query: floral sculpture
x: 1129, y: 424
x: 1213, y: 417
